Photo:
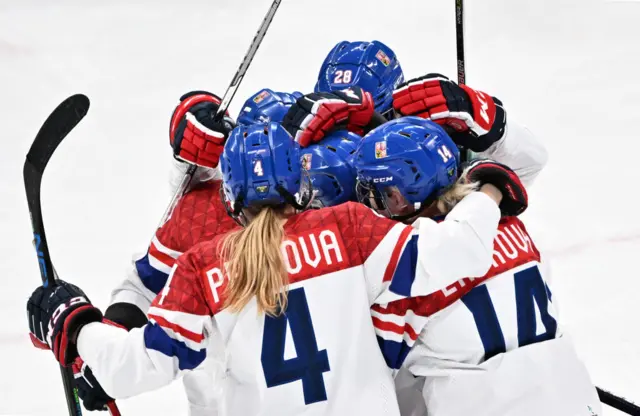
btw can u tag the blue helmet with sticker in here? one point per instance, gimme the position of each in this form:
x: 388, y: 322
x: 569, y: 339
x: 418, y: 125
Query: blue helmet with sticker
x: 372, y: 66
x: 330, y: 167
x: 404, y: 165
x: 261, y: 167
x: 266, y: 106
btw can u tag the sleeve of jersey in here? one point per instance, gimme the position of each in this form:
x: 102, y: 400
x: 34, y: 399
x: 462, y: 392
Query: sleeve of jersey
x: 521, y: 151
x: 154, y: 267
x: 420, y: 260
x: 174, y: 340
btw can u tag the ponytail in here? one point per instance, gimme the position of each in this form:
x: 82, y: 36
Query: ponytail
x: 255, y: 266
x: 456, y: 193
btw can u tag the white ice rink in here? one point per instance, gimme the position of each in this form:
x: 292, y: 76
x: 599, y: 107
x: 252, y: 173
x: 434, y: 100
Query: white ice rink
x: 567, y: 68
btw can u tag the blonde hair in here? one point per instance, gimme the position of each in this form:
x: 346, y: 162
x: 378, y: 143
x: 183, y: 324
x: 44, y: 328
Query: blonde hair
x: 254, y: 264
x: 456, y: 193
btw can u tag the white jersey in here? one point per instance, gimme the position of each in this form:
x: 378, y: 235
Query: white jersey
x: 321, y: 357
x: 498, y: 345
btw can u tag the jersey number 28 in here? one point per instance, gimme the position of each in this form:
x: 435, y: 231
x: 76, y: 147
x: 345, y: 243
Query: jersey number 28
x: 310, y: 363
x: 530, y: 291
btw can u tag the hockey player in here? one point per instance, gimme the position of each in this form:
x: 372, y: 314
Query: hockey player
x: 345, y: 257
x: 497, y: 348
x: 199, y: 216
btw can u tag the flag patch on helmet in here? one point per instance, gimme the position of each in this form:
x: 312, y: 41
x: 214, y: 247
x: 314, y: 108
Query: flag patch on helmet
x: 260, y: 97
x: 382, y: 57
x: 306, y: 161
x: 381, y: 150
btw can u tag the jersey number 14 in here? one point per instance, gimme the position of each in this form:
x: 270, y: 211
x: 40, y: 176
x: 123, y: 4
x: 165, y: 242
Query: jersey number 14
x: 310, y: 363
x: 530, y: 291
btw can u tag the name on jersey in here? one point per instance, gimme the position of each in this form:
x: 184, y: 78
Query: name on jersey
x: 511, y: 248
x: 310, y: 254
x: 313, y: 253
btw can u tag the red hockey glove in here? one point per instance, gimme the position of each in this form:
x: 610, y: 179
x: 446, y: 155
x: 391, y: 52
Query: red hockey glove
x: 195, y: 136
x: 316, y: 114
x: 56, y: 315
x: 514, y: 195
x: 474, y: 119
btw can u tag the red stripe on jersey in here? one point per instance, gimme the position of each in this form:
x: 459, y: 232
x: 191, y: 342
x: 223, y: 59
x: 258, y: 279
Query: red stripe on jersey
x: 160, y: 256
x: 395, y: 256
x: 395, y: 328
x: 177, y: 328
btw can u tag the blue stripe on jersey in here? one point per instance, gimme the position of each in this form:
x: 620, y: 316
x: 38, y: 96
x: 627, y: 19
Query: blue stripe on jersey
x: 152, y: 278
x: 156, y: 339
x: 394, y: 352
x: 405, y: 273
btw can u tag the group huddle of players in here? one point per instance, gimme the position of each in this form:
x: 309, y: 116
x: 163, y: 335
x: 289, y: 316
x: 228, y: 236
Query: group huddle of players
x: 487, y: 344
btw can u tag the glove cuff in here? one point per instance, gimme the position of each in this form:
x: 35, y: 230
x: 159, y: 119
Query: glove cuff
x: 67, y: 350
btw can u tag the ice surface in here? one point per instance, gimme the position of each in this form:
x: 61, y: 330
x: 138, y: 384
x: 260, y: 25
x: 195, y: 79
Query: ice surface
x: 568, y: 69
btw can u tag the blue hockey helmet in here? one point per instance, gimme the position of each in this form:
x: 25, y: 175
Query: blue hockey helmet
x: 330, y: 167
x: 372, y: 66
x: 261, y: 167
x: 265, y: 106
x: 404, y: 165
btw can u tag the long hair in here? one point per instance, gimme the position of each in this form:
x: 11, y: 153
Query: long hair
x: 255, y: 265
x: 456, y: 193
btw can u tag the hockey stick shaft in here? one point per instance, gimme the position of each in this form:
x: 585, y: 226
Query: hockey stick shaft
x: 462, y: 74
x: 460, y: 41
x: 226, y: 99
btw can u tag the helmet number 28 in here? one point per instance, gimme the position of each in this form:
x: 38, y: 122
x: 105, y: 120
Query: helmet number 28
x: 342, y: 77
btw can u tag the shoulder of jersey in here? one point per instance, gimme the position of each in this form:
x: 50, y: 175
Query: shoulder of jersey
x: 199, y: 216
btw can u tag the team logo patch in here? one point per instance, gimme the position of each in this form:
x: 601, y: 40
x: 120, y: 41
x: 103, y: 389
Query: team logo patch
x: 306, y: 161
x: 382, y: 57
x: 260, y: 97
x: 262, y: 189
x: 381, y: 150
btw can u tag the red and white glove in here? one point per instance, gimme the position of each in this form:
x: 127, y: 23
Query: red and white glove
x: 475, y: 120
x: 316, y: 114
x: 195, y: 136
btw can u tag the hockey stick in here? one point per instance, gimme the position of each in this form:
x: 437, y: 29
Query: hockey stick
x: 226, y: 99
x: 56, y: 127
x: 465, y: 154
x: 618, y: 402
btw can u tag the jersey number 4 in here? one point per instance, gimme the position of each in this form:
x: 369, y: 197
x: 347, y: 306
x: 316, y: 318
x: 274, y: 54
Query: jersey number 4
x: 310, y: 363
x: 530, y: 290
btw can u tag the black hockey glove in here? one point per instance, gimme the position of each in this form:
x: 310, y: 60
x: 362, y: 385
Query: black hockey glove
x: 514, y: 195
x: 56, y: 314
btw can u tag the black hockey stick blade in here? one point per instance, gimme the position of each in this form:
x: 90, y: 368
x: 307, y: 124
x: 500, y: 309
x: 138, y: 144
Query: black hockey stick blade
x: 617, y: 402
x: 55, y: 128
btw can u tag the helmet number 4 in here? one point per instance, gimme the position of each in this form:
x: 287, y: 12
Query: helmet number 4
x: 257, y: 167
x: 342, y: 77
